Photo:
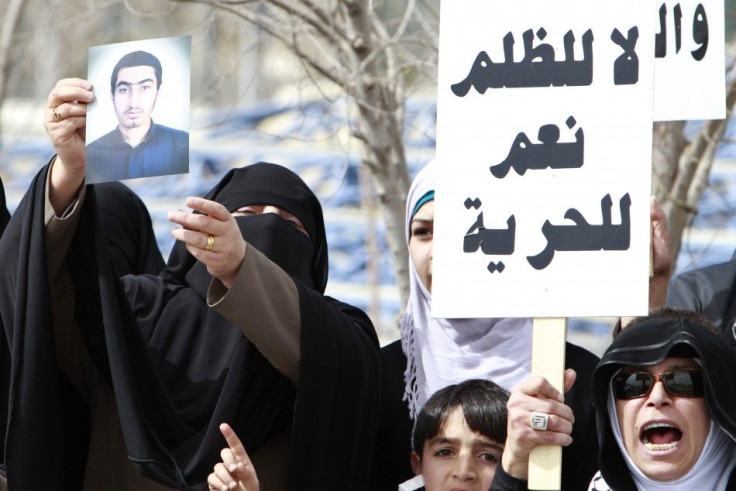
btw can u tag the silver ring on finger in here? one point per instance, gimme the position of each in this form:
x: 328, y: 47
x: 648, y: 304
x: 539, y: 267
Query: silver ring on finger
x: 539, y: 421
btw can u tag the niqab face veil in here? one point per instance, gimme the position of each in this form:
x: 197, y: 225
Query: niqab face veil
x: 269, y: 184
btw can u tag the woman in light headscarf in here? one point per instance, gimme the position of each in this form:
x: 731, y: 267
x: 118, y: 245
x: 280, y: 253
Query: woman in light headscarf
x: 434, y: 353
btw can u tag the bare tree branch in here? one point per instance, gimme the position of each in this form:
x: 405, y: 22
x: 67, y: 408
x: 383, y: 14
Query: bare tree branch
x: 693, y: 171
x: 11, y: 18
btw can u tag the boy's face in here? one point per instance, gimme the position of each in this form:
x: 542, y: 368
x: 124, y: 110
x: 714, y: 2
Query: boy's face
x: 458, y: 459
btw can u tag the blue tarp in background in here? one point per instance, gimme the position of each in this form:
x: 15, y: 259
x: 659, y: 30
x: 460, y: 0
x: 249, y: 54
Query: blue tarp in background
x: 303, y: 138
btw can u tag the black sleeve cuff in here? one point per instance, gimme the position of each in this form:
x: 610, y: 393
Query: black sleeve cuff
x: 505, y: 482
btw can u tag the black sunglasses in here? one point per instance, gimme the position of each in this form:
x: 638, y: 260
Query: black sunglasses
x: 681, y: 383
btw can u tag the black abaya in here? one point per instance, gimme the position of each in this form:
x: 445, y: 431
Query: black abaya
x: 177, y: 367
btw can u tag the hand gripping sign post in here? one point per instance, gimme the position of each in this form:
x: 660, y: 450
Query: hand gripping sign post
x: 544, y: 160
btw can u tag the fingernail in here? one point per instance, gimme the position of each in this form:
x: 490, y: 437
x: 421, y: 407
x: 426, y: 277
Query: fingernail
x: 232, y: 467
x: 233, y: 484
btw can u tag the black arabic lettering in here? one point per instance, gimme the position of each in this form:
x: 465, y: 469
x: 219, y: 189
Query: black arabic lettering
x: 490, y: 242
x: 537, y: 68
x: 525, y: 155
x: 626, y: 66
x: 700, y: 32
x: 660, y: 39
x: 585, y: 237
x: 678, y: 28
x: 574, y: 72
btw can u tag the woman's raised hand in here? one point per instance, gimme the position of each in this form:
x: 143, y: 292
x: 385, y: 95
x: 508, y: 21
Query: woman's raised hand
x: 65, y: 118
x: 212, y: 236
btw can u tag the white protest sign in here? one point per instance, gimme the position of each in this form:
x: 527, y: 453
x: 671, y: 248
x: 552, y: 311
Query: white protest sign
x: 689, y: 67
x: 544, y: 158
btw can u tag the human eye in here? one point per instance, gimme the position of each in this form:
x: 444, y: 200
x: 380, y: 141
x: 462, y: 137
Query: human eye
x: 294, y: 220
x: 489, y: 457
x: 122, y: 90
x: 443, y: 452
x: 298, y: 224
x: 422, y: 231
x: 245, y: 211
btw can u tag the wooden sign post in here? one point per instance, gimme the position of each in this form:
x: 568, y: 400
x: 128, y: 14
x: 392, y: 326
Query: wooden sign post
x: 548, y: 360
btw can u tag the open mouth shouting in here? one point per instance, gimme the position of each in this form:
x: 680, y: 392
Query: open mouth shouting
x: 660, y: 437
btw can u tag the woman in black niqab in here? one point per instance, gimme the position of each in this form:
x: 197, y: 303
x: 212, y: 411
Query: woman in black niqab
x: 179, y: 368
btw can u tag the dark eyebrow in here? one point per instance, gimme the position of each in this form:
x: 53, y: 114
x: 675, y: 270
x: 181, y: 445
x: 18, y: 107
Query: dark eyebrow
x: 128, y: 84
x: 442, y: 440
x: 422, y: 220
x: 487, y: 444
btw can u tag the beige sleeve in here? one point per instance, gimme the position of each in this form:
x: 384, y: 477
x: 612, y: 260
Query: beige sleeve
x: 72, y: 355
x: 264, y: 303
x: 60, y: 230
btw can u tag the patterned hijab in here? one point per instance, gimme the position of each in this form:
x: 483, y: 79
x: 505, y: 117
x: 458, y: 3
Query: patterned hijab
x: 442, y: 352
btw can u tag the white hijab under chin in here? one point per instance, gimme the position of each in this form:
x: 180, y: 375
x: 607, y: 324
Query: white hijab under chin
x: 710, y: 472
x: 442, y: 352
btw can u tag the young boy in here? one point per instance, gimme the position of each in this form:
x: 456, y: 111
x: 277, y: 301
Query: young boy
x: 458, y: 437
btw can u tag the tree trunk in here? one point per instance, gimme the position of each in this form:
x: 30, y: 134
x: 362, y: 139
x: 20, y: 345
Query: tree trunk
x: 381, y: 120
x: 11, y: 18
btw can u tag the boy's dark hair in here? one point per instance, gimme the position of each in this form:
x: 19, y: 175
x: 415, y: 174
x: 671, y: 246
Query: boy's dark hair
x: 483, y: 404
x: 136, y: 58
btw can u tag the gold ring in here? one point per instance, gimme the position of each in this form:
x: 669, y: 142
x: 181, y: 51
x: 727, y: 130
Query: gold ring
x: 57, y: 116
x: 210, y: 242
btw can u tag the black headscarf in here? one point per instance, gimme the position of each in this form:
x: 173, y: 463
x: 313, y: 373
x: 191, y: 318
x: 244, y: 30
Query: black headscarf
x: 265, y: 183
x: 646, y: 344
x: 179, y: 369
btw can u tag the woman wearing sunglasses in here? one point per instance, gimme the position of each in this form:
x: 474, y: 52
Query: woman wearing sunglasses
x: 665, y: 395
